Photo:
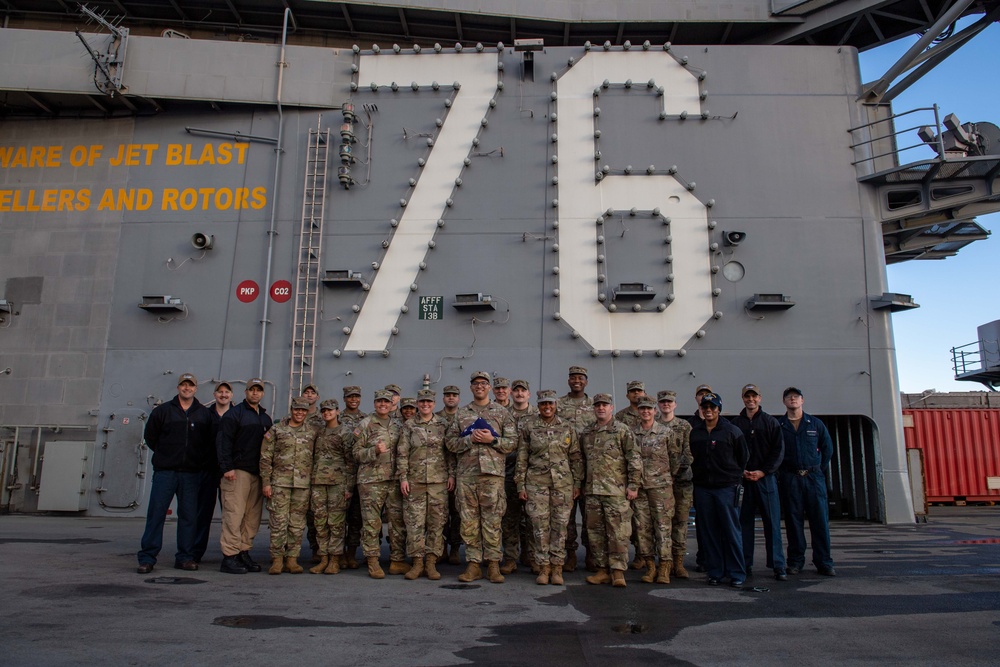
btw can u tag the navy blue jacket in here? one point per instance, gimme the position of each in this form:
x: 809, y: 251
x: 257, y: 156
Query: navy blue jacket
x: 809, y: 448
x: 763, y: 434
x: 180, y: 440
x: 720, y: 456
x: 241, y: 432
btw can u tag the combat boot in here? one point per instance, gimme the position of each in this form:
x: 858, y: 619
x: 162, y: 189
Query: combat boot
x: 352, y: 560
x: 570, y: 564
x: 430, y: 566
x: 342, y: 561
x: 650, y: 575
x: 277, y: 565
x: 398, y: 567
x: 374, y: 569
x: 415, y: 570
x: 638, y: 562
x: 679, y: 570
x: 509, y: 566
x: 453, y: 556
x: 472, y: 573
x: 618, y: 578
x: 493, y: 572
x: 599, y: 577
x: 556, y: 577
x: 663, y: 572
x: 333, y: 566
x: 292, y: 565
x: 543, y: 575
x: 321, y: 565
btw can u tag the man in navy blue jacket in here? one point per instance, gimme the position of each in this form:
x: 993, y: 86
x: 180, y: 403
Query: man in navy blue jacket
x: 760, y: 482
x: 241, y: 432
x: 179, y: 433
x: 808, y: 450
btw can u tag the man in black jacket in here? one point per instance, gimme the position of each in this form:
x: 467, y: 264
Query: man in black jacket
x: 760, y: 482
x: 179, y: 435
x: 241, y: 432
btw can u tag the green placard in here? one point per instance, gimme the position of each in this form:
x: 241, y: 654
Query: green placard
x: 431, y: 307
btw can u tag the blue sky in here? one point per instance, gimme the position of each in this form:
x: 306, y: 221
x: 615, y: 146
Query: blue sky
x: 958, y: 294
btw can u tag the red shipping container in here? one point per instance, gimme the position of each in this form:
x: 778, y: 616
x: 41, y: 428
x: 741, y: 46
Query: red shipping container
x: 961, y: 450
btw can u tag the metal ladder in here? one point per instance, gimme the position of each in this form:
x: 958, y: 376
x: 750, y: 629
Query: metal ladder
x: 307, y: 275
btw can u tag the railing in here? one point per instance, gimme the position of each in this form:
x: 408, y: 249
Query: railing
x: 965, y: 360
x: 877, y: 134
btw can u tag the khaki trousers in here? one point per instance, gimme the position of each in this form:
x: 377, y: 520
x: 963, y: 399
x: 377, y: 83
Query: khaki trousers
x: 242, y: 504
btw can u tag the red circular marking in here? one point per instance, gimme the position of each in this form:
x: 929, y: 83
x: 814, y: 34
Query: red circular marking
x: 247, y: 291
x: 281, y: 291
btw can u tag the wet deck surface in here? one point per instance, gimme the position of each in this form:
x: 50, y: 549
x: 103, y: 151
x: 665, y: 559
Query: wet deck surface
x: 926, y: 594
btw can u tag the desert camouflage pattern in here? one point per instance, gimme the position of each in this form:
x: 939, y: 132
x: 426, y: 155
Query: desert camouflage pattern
x: 515, y: 525
x: 613, y: 461
x: 476, y: 459
x: 425, y: 513
x: 329, y: 508
x: 661, y: 455
x: 333, y: 458
x: 653, y: 517
x: 680, y: 432
x: 351, y: 421
x: 421, y: 453
x: 609, y: 524
x: 578, y: 411
x: 548, y: 510
x: 376, y: 496
x: 286, y: 456
x: 481, y: 502
x: 372, y: 466
x: 287, y: 519
x: 628, y: 416
x: 548, y: 454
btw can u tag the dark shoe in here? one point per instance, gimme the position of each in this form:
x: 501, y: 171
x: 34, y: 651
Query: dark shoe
x: 737, y: 583
x: 794, y: 570
x: 827, y: 571
x: 749, y: 572
x: 713, y: 582
x: 144, y: 568
x: 780, y: 576
x: 249, y: 563
x: 188, y: 565
x: 700, y: 568
x: 232, y: 565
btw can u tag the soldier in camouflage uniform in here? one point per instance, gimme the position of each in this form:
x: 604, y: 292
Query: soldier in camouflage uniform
x: 501, y: 392
x: 426, y: 475
x: 577, y: 408
x: 654, y: 507
x: 515, y: 526
x: 614, y: 473
x: 680, y: 431
x: 407, y: 408
x: 375, y: 442
x: 396, y: 392
x: 350, y: 418
x: 311, y: 395
x: 286, y: 457
x: 549, y: 475
x: 629, y: 415
x: 333, y: 480
x: 453, y: 526
x: 481, y: 498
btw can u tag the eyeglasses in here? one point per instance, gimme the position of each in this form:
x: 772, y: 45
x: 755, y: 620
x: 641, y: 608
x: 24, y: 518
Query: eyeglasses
x: 482, y: 383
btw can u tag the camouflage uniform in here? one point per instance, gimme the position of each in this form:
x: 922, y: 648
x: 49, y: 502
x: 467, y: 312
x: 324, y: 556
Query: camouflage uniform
x: 378, y: 486
x: 680, y: 433
x: 425, y: 463
x: 549, y: 468
x: 579, y: 412
x: 286, y: 457
x: 614, y: 466
x: 353, y: 538
x: 315, y: 420
x: 654, y: 506
x: 628, y: 416
x: 515, y: 527
x: 334, y: 473
x: 480, y: 468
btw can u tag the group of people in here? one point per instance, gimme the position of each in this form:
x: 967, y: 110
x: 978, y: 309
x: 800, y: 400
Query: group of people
x: 505, y: 478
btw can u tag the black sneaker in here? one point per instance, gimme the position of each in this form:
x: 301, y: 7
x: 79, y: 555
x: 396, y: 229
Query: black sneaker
x: 249, y: 563
x: 232, y: 565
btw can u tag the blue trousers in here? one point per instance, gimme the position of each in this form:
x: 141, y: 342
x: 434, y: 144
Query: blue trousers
x: 804, y: 497
x: 166, y: 484
x: 762, y: 497
x: 208, y: 498
x: 719, y: 529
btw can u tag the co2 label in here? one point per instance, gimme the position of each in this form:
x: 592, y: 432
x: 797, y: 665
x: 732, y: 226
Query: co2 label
x: 583, y: 199
x: 281, y: 291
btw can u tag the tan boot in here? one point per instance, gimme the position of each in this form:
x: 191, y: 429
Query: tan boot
x: 472, y: 573
x: 398, y: 567
x: 493, y: 572
x: 663, y: 572
x: 509, y: 566
x: 332, y: 567
x: 323, y: 562
x: 543, y: 575
x: 277, y: 565
x: 599, y: 577
x: 570, y: 564
x: 352, y: 561
x: 374, y: 569
x: 342, y: 561
x: 292, y: 565
x: 679, y: 570
x: 430, y: 566
x: 415, y: 570
x: 638, y: 562
x: 556, y: 578
x: 618, y: 578
x: 650, y: 575
x: 535, y: 569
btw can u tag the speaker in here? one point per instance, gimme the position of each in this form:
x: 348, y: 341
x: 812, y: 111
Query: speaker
x: 733, y: 238
x: 202, y: 241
